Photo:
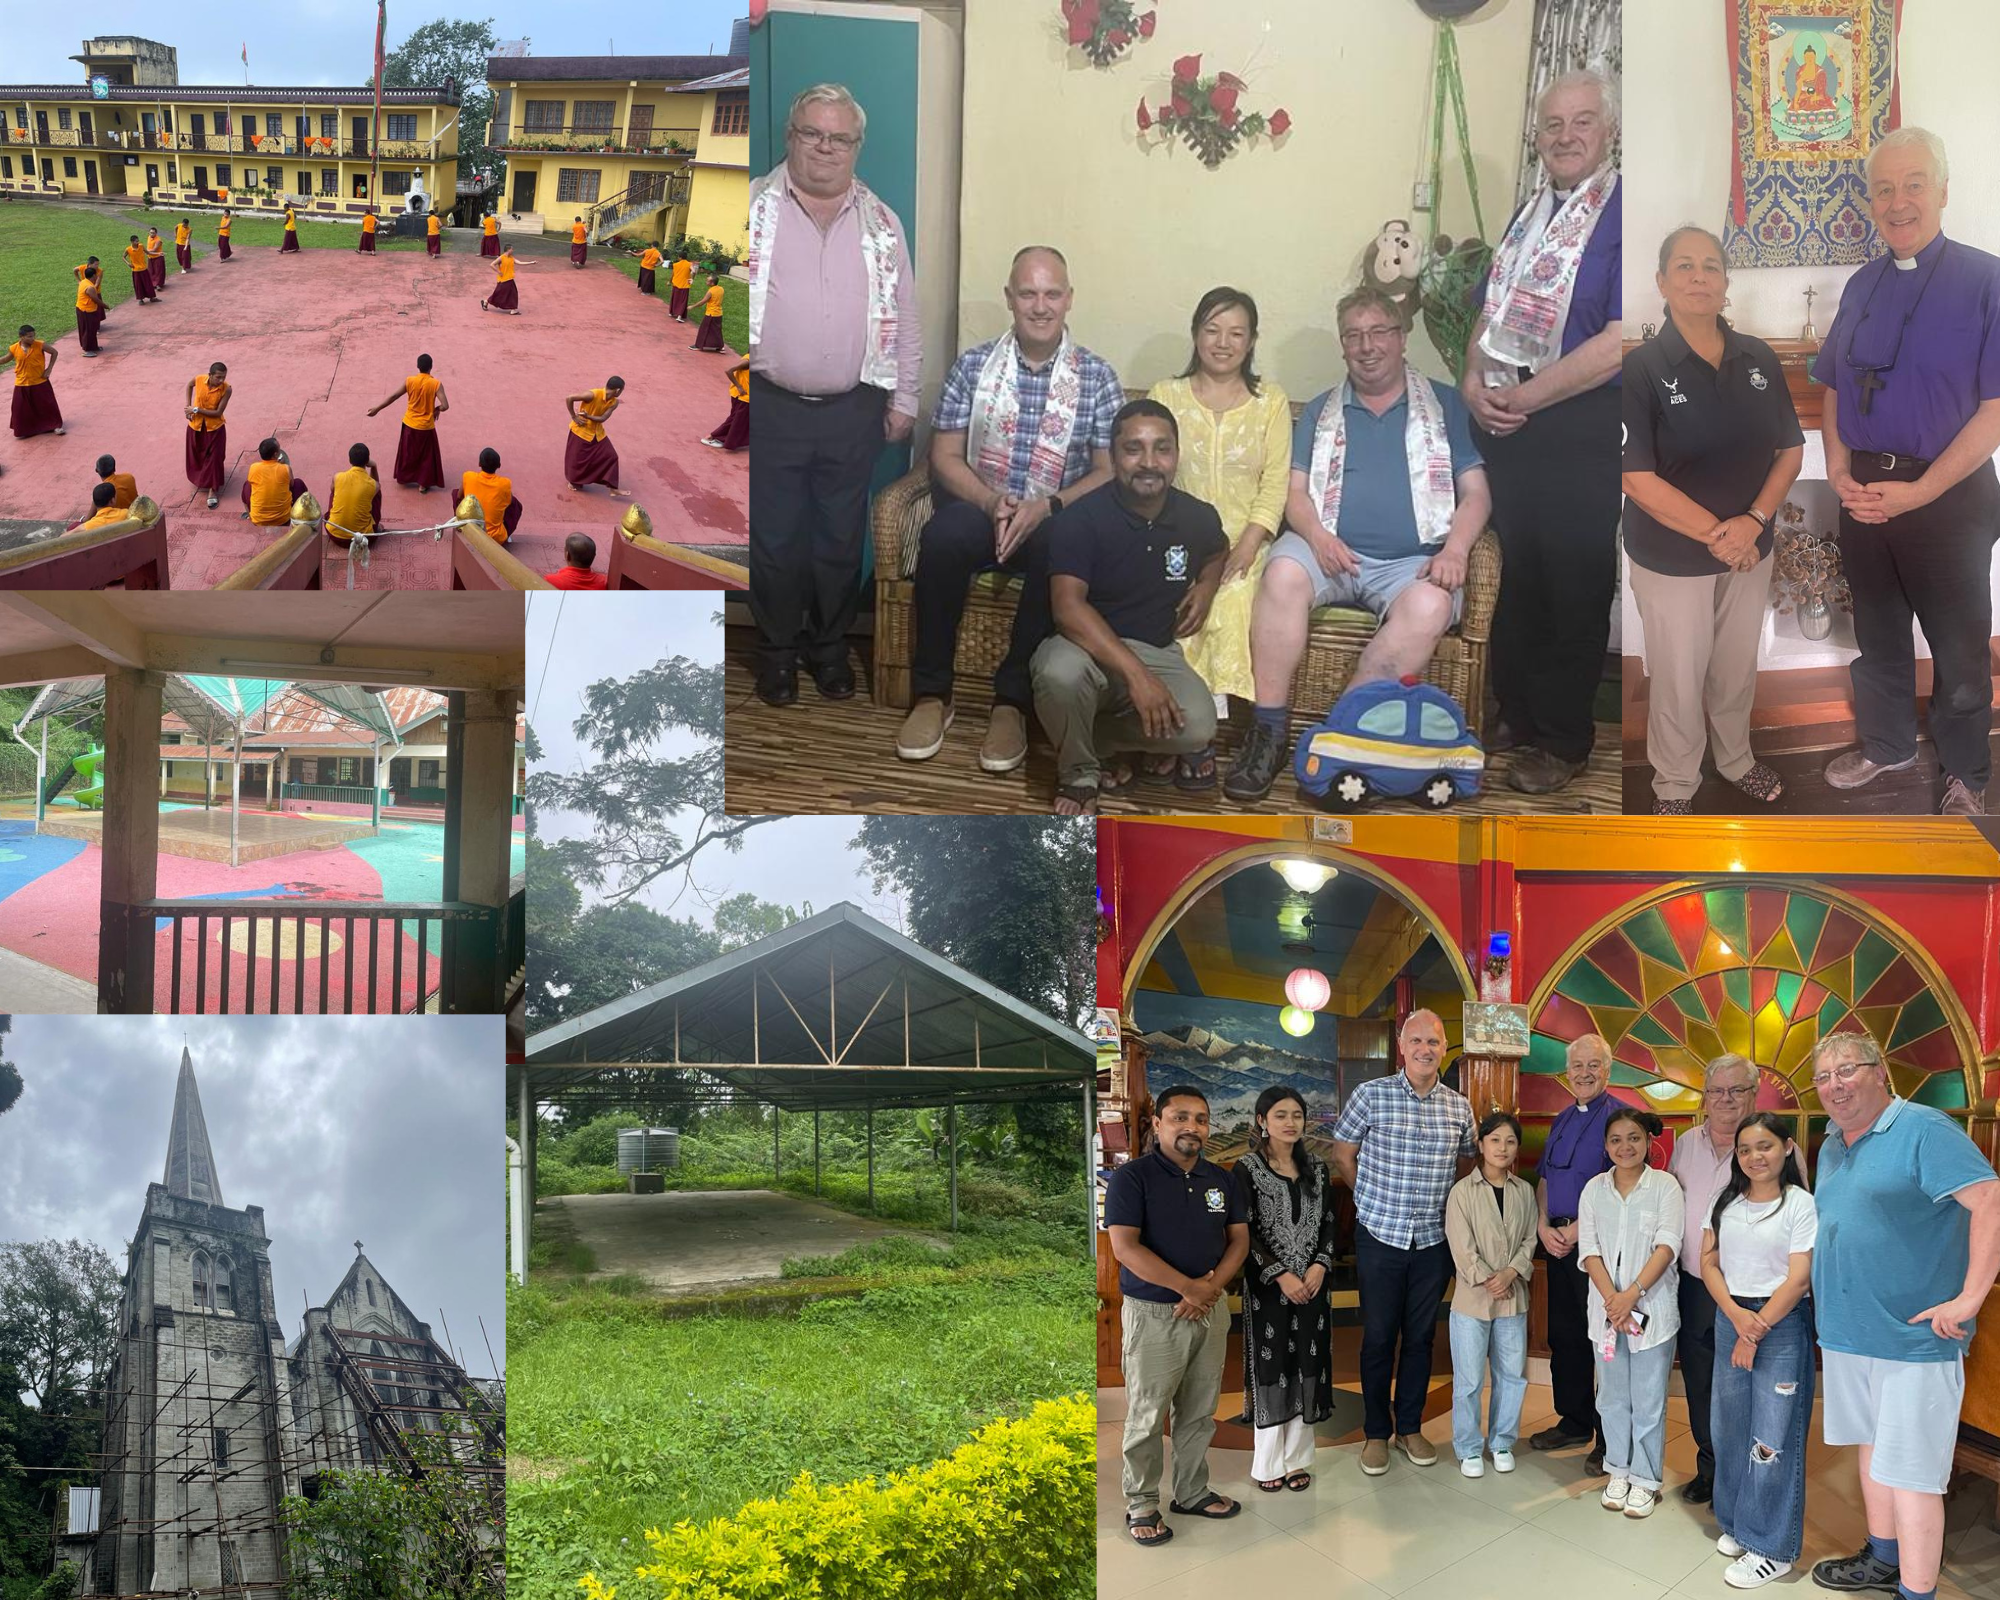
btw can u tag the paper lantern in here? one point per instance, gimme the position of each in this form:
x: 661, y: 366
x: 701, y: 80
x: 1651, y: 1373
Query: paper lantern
x: 1295, y: 1022
x: 1308, y: 989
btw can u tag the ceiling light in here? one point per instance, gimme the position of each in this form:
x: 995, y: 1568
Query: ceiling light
x: 1304, y: 877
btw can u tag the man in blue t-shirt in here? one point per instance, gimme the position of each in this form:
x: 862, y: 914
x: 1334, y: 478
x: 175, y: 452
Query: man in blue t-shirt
x: 1909, y: 1244
x: 1180, y: 1232
x: 1388, y: 496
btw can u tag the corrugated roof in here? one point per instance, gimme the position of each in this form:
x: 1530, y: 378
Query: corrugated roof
x: 906, y: 1026
x: 213, y: 705
x: 567, y: 69
x: 737, y: 79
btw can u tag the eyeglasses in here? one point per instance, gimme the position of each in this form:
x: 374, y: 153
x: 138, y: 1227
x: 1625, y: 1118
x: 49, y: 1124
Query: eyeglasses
x: 840, y: 143
x: 1360, y: 336
x: 1739, y: 1093
x: 1843, y: 1073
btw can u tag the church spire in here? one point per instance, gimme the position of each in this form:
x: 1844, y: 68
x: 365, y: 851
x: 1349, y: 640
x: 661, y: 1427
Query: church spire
x: 190, y: 1163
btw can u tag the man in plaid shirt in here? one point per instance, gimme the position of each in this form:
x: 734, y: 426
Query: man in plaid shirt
x: 998, y: 512
x: 1399, y: 1144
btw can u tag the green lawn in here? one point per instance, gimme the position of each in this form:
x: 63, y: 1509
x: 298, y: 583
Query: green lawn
x: 622, y: 1419
x: 735, y: 298
x: 41, y: 243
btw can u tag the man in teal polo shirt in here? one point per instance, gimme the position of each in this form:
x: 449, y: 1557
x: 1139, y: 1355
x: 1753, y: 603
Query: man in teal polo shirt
x: 1909, y: 1243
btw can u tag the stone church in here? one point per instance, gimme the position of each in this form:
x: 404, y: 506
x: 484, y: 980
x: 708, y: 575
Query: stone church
x: 213, y: 1420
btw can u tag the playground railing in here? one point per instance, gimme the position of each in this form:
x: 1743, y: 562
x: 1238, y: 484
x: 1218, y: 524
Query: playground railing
x: 337, y: 791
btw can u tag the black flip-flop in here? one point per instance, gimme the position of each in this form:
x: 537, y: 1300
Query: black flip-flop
x: 1298, y: 1482
x: 1195, y: 774
x: 1082, y: 795
x: 1200, y: 1508
x: 1275, y: 1486
x: 1150, y: 1520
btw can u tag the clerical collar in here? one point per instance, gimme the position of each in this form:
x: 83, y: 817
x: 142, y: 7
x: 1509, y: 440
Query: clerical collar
x: 1928, y: 252
x: 1905, y: 263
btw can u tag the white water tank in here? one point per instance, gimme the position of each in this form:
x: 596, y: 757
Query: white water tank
x: 648, y: 1150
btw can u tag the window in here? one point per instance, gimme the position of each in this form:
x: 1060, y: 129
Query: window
x: 222, y: 122
x: 222, y: 1447
x: 329, y: 125
x: 369, y: 1285
x: 350, y: 771
x: 1435, y: 723
x: 732, y: 114
x: 594, y: 116
x: 62, y: 116
x: 575, y: 186
x: 232, y: 1566
x: 540, y: 116
x: 6, y: 166
x: 200, y: 1280
x: 274, y: 125
x: 173, y: 172
x: 223, y: 1290
x: 1385, y: 721
x: 222, y: 176
x: 329, y: 180
x: 274, y: 177
x: 402, y: 126
x: 305, y: 183
x: 395, y: 183
x: 69, y: 166
x: 427, y: 774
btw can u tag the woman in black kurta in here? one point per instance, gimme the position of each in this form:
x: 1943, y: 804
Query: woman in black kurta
x: 1287, y: 1335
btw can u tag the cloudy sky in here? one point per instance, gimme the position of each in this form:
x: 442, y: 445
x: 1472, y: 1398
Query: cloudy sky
x: 341, y: 1128
x: 795, y: 861
x: 333, y: 41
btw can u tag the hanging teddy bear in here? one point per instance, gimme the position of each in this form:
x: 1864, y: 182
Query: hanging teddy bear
x: 1392, y: 263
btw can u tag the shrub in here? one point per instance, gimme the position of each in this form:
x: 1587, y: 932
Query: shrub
x: 1008, y: 1515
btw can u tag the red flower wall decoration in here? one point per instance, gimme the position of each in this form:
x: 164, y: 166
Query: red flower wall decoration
x: 1104, y: 29
x: 1204, y: 114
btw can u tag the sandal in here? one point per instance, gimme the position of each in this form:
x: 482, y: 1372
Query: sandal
x: 1761, y: 783
x: 1117, y: 776
x: 1272, y: 1486
x: 1082, y: 795
x: 1299, y: 1482
x: 1195, y: 774
x: 1158, y: 769
x: 1673, y: 808
x: 1162, y: 1533
x: 1201, y: 1508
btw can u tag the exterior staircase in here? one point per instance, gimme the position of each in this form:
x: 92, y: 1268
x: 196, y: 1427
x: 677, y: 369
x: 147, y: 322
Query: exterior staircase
x: 626, y: 207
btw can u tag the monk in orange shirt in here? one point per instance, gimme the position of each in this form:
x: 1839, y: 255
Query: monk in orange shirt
x: 647, y: 262
x: 418, y: 459
x: 504, y: 296
x: 156, y: 257
x: 142, y: 275
x: 269, y: 488
x: 578, y: 250
x: 35, y: 408
x: 579, y: 556
x: 222, y: 235
x: 709, y: 335
x: 683, y: 280
x: 291, y: 231
x: 124, y: 490
x: 588, y: 453
x: 433, y: 237
x: 184, y: 245
x: 104, y: 510
x: 208, y: 436
x: 355, y: 506
x: 733, y: 432
x: 489, y: 235
x: 494, y: 493
x: 367, y: 234
x: 89, y: 312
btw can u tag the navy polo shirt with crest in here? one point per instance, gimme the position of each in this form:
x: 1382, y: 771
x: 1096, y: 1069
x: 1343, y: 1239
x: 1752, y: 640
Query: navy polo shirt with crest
x: 1137, y: 571
x: 1182, y: 1217
x: 1711, y: 432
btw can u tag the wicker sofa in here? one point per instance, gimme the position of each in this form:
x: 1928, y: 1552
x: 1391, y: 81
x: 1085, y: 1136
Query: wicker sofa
x: 1333, y: 646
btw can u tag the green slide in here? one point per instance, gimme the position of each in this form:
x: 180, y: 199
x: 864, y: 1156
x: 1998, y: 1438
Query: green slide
x: 91, y: 797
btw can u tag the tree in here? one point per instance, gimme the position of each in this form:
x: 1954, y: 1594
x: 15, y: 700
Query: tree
x: 10, y: 1076
x: 459, y: 51
x: 635, y: 791
x: 743, y: 919
x: 59, y: 1303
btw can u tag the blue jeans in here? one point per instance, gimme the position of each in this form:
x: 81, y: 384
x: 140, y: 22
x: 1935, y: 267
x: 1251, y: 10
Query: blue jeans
x: 1505, y: 1340
x: 1632, y: 1401
x: 1759, y: 1421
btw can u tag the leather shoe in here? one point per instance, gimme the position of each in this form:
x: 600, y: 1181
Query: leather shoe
x: 835, y: 679
x: 1851, y: 769
x: 1962, y: 800
x: 1538, y: 772
x: 1698, y: 1491
x: 778, y: 682
x: 1594, y: 1462
x: 1557, y: 1438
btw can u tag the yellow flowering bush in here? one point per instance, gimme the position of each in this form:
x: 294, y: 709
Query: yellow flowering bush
x: 1007, y: 1516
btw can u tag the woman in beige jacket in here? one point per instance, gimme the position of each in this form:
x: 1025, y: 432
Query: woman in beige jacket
x: 1489, y: 1223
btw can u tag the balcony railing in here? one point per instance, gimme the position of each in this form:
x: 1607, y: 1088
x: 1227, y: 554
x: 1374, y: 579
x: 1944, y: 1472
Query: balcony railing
x: 348, y: 794
x: 593, y: 140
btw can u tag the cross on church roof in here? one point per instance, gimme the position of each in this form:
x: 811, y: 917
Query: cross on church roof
x: 357, y: 1247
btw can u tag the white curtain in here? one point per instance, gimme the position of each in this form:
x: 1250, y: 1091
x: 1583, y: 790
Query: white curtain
x: 1569, y: 34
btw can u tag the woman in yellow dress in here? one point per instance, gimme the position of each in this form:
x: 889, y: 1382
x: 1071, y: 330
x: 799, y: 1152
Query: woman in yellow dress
x: 1236, y: 453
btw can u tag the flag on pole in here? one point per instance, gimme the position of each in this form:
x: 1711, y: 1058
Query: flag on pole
x: 246, y: 52
x: 374, y: 144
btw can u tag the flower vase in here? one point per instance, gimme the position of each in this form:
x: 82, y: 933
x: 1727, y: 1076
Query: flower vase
x: 1815, y: 618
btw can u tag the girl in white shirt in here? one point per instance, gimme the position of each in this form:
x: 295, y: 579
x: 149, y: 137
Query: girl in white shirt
x: 1628, y: 1242
x: 1756, y: 1260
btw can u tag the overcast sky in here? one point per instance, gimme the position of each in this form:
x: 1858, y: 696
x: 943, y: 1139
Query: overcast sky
x: 796, y: 861
x: 333, y: 41
x: 341, y: 1128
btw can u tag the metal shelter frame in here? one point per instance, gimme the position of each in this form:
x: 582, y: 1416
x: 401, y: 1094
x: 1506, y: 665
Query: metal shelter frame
x: 835, y: 1013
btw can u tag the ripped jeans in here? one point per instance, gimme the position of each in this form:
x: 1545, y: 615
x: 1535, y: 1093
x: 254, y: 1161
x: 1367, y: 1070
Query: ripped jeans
x: 1759, y: 1420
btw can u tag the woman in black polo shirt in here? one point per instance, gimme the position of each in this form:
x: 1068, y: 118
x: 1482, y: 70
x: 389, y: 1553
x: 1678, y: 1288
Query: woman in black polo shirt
x: 1712, y: 445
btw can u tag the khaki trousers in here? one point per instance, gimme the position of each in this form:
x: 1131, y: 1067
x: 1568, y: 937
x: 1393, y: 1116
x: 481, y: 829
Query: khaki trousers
x: 1173, y: 1374
x: 1701, y: 660
x: 1088, y: 716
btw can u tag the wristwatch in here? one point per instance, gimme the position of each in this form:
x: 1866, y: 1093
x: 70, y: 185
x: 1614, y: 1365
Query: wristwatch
x: 1055, y: 504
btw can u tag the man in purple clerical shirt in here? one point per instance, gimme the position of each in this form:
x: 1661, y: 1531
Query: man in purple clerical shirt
x: 1911, y: 422
x: 1572, y: 1156
x: 836, y: 358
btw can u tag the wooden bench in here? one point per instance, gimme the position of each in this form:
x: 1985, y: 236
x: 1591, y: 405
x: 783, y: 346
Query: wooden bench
x: 131, y: 554
x: 1334, y: 642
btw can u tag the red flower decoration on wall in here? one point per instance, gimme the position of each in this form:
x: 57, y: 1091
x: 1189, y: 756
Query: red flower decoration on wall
x: 1104, y: 29
x: 1281, y: 120
x: 1207, y: 116
x: 1182, y: 107
x: 1145, y: 116
x: 1222, y: 101
x: 1146, y: 25
x: 1187, y: 69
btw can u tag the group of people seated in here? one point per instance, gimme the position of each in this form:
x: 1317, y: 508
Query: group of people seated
x: 1719, y: 1253
x: 1172, y: 549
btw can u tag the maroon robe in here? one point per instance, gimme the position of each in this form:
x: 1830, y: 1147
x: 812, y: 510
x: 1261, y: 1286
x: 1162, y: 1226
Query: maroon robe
x: 157, y: 265
x: 368, y: 243
x: 86, y: 329
x: 505, y: 296
x: 291, y: 241
x: 709, y: 335
x: 222, y: 246
x: 184, y: 254
x: 578, y: 253
x: 734, y: 432
x: 433, y: 244
x: 142, y: 285
x: 35, y: 409
x: 489, y: 247
x: 677, y: 305
x: 419, y: 462
x: 595, y: 461
x: 645, y: 280
x: 208, y: 457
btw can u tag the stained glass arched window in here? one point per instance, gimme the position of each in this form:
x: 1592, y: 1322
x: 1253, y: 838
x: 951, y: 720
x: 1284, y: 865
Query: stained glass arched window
x: 1762, y: 970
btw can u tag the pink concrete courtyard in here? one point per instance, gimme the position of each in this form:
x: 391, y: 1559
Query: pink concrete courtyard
x: 313, y: 339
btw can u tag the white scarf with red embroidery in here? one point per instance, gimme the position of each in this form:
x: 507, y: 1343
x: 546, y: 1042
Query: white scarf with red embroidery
x: 879, y: 255
x: 1534, y: 272
x: 996, y: 416
x: 1426, y: 453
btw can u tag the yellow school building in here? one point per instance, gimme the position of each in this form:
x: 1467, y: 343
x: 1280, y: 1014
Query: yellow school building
x: 131, y: 128
x: 650, y: 148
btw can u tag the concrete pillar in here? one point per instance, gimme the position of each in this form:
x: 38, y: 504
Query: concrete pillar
x: 208, y: 776
x: 815, y: 1152
x: 871, y: 1160
x: 774, y: 1147
x: 525, y: 1116
x: 1090, y: 1166
x: 42, y: 776
x: 236, y: 803
x: 951, y: 1139
x: 479, y: 835
x: 131, y: 842
x: 270, y: 771
x: 165, y: 768
x: 284, y: 775
x: 375, y: 775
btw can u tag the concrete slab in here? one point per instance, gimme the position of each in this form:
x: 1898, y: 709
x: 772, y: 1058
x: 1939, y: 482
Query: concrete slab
x: 314, y: 338
x: 30, y: 988
x: 204, y: 835
x: 707, y: 1239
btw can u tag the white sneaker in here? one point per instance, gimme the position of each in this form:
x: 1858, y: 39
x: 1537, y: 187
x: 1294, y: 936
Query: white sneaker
x: 1614, y: 1494
x: 1472, y: 1467
x: 1752, y: 1571
x: 1727, y: 1546
x: 1503, y: 1461
x: 1640, y: 1502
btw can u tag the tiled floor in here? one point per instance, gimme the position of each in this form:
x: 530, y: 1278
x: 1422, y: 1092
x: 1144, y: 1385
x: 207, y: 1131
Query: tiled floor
x: 1538, y: 1533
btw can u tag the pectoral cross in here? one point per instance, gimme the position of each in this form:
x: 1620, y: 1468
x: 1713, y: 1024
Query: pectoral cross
x: 1869, y: 381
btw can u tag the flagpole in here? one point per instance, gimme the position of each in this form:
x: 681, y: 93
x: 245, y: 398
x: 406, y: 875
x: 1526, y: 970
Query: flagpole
x: 375, y: 144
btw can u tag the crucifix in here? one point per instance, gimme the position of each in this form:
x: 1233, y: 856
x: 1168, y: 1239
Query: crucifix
x: 1868, y: 382
x: 1808, y: 334
x: 357, y: 1242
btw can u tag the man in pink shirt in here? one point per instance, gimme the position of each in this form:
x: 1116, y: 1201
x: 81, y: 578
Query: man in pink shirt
x: 836, y: 355
x: 1701, y: 1160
